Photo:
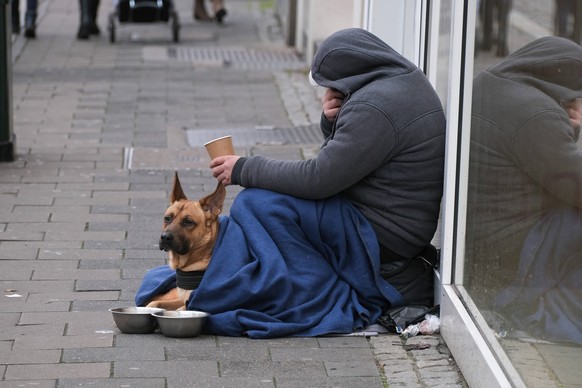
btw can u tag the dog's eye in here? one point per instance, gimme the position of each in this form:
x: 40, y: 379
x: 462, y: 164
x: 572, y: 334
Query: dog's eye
x: 168, y: 219
x: 188, y: 222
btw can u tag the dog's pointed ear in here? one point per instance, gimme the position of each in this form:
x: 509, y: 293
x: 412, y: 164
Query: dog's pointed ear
x: 214, y: 202
x: 177, y: 192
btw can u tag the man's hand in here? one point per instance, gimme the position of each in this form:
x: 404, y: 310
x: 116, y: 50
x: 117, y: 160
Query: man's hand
x: 332, y: 101
x: 222, y: 168
x: 574, y: 110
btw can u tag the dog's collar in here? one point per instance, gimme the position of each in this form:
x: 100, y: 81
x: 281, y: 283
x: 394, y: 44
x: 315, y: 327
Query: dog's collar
x: 188, y: 280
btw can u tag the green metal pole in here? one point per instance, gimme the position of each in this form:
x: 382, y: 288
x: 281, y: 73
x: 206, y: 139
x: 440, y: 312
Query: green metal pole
x: 7, y: 138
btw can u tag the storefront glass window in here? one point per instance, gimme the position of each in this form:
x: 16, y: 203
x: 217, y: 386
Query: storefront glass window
x: 523, y: 246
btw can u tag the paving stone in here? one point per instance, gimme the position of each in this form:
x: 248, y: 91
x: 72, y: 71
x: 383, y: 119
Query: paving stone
x: 42, y: 244
x: 29, y: 356
x: 113, y: 383
x: 19, y: 215
x: 274, y: 369
x: 57, y: 371
x: 112, y: 354
x: 13, y: 331
x: 353, y: 368
x: 63, y: 342
x: 84, y: 236
x: 71, y: 317
x: 45, y: 226
x: 187, y: 371
x: 343, y: 342
x: 331, y: 382
x: 43, y: 297
x: 15, y: 305
x: 78, y: 254
x: 28, y: 383
x: 321, y: 354
x: 17, y: 253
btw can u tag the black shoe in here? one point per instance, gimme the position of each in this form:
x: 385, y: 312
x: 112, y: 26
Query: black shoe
x: 30, y: 32
x: 29, y: 28
x: 220, y: 15
x: 83, y: 33
x: 94, y: 29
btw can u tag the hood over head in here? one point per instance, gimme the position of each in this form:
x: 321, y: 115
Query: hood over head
x: 351, y: 58
x: 551, y: 64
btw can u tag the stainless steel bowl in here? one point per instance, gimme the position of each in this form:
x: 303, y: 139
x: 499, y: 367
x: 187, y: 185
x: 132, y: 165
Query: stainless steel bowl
x: 135, y: 320
x: 180, y: 324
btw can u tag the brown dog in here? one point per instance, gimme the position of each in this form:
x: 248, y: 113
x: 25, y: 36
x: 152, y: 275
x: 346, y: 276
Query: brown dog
x: 188, y: 235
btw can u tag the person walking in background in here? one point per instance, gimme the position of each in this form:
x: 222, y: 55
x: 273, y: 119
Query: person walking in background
x: 88, y: 10
x: 29, y: 18
x: 199, y: 11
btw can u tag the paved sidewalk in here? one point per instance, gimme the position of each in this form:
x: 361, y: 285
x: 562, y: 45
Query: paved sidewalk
x: 100, y: 129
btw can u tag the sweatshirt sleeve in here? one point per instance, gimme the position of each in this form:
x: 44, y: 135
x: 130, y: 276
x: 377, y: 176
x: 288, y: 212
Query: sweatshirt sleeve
x: 326, y: 126
x: 363, y: 140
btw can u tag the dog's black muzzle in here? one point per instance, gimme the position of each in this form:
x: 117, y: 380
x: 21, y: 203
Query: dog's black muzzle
x: 166, y: 241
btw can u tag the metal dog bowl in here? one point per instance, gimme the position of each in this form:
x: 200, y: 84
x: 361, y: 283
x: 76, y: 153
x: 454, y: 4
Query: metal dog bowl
x: 135, y: 320
x: 181, y: 324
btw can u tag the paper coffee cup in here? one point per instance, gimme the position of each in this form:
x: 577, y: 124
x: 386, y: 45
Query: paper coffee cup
x: 220, y: 147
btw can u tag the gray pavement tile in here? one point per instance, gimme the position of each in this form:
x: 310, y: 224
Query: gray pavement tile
x: 84, y: 236
x: 13, y: 331
x: 79, y: 274
x: 86, y: 217
x: 71, y: 317
x: 192, y: 352
x: 15, y: 305
x: 272, y: 369
x: 186, y: 370
x: 213, y: 382
x: 71, y: 210
x: 63, y: 342
x: 331, y: 382
x: 45, y: 226
x: 43, y: 297
x: 42, y: 244
x: 113, y: 383
x: 353, y: 368
x: 9, y: 265
x: 141, y: 254
x: 286, y: 342
x: 28, y: 383
x: 57, y: 371
x: 343, y: 342
x: 321, y: 354
x: 21, y: 236
x: 106, y: 285
x: 109, y: 186
x: 30, y: 356
x: 10, y: 200
x: 103, y: 354
x: 157, y: 340
x: 79, y: 254
x: 57, y: 179
x: 21, y: 286
x: 18, y: 253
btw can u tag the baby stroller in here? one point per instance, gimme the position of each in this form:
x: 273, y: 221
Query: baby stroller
x: 144, y: 11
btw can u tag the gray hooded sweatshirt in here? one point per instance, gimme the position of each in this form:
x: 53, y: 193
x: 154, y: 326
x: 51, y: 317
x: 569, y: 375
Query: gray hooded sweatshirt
x: 384, y: 151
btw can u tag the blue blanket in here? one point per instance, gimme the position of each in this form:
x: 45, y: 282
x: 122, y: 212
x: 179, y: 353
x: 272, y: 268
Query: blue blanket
x: 284, y: 266
x: 546, y: 297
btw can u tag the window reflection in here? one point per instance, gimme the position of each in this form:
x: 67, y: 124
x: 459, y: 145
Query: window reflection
x: 523, y: 251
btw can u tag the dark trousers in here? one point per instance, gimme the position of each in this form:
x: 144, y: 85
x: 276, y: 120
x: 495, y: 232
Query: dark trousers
x: 29, y: 16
